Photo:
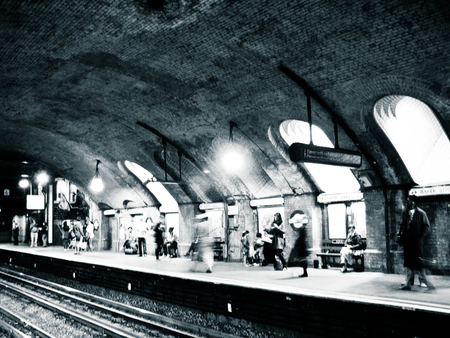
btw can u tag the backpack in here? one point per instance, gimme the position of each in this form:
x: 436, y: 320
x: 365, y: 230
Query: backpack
x: 277, y: 265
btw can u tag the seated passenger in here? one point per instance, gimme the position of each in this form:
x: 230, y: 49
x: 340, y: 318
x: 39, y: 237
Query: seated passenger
x: 171, y: 243
x: 130, y: 247
x: 193, y: 248
x: 258, y: 247
x: 351, y: 244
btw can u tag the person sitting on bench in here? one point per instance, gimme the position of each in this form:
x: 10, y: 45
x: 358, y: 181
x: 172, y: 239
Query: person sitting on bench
x: 352, y: 243
x: 130, y: 247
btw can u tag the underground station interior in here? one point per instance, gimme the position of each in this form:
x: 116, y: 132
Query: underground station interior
x: 212, y: 116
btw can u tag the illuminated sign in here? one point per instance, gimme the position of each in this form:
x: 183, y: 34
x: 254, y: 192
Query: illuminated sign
x: 267, y: 201
x: 329, y: 198
x: 430, y: 191
x: 35, y: 202
x: 211, y: 206
x: 232, y: 209
x: 300, y: 152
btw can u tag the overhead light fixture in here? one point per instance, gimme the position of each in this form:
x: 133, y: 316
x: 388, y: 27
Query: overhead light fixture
x: 97, y: 182
x: 23, y: 183
x: 109, y: 212
x: 42, y: 178
x: 136, y: 211
x: 232, y: 159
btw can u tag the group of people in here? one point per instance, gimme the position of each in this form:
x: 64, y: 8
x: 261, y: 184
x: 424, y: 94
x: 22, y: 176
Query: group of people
x: 166, y: 244
x: 78, y: 235
x: 35, y: 229
x: 272, y: 243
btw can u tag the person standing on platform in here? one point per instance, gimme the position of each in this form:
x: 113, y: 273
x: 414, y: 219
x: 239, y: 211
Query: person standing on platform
x: 245, y: 247
x: 278, y: 240
x: 141, y: 230
x: 414, y: 226
x: 89, y: 235
x: 268, y: 250
x: 66, y: 235
x: 44, y: 233
x: 159, y: 240
x: 34, y: 230
x: 15, y: 232
x: 78, y: 230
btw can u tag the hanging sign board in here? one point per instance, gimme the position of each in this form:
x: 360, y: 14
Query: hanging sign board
x: 430, y: 191
x: 300, y: 152
x: 35, y: 202
x: 330, y: 198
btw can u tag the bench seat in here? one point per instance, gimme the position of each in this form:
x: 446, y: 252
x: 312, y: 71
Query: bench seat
x: 333, y: 259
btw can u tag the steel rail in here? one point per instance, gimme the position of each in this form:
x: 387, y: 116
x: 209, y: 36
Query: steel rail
x: 96, y: 324
x: 15, y: 332
x: 139, y: 316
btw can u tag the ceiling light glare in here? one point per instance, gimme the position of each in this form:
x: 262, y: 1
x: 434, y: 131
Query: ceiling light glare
x: 97, y: 184
x: 232, y: 161
x: 42, y: 178
x: 24, y: 183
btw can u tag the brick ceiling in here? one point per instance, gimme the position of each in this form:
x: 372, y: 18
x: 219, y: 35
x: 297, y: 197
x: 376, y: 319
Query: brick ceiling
x: 77, y: 77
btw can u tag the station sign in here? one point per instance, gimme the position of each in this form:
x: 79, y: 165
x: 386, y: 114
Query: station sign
x: 300, y: 152
x: 430, y: 191
x: 330, y: 198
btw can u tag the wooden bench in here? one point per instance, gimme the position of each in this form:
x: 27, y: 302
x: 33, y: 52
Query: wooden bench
x: 332, y: 257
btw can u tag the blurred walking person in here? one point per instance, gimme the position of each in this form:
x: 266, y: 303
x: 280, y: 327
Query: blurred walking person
x: 205, y: 254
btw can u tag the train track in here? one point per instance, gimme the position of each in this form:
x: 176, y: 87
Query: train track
x: 104, y: 317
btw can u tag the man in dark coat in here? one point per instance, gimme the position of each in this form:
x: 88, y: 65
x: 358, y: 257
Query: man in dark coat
x: 415, y: 226
x: 159, y: 239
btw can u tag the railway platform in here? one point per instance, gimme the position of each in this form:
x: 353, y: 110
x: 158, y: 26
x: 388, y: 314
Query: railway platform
x: 358, y: 291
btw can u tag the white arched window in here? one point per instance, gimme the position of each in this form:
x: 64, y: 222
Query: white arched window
x: 168, y: 203
x: 418, y: 137
x: 330, y: 178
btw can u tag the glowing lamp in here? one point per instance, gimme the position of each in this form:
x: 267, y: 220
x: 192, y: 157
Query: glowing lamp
x: 97, y: 182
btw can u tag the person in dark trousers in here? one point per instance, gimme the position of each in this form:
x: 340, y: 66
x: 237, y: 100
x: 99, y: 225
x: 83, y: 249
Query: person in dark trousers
x: 278, y: 240
x: 159, y: 240
x: 245, y: 247
x: 15, y: 233
x: 44, y: 233
x: 299, y: 252
x: 415, y: 226
x: 66, y: 235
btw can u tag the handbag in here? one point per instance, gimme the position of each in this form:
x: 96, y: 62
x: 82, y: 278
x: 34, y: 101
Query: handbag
x: 83, y: 245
